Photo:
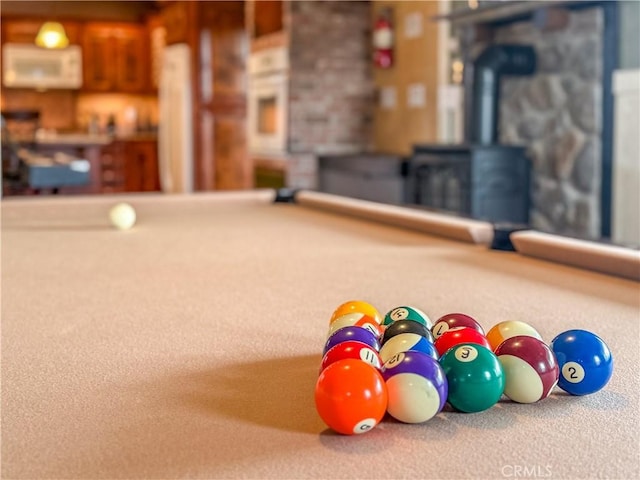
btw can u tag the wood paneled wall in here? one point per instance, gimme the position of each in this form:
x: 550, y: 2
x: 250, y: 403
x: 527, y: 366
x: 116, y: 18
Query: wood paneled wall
x: 397, y: 128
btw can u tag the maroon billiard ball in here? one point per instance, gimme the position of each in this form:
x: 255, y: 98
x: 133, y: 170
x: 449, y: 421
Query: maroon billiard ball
x: 530, y: 368
x: 453, y: 320
x: 456, y: 336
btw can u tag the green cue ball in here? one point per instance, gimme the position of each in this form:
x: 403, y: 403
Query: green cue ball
x: 475, y: 377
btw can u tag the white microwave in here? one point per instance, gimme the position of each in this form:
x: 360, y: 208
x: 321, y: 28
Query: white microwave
x: 29, y: 66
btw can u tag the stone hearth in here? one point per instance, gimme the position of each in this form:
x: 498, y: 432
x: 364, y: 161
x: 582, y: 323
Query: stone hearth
x: 558, y: 114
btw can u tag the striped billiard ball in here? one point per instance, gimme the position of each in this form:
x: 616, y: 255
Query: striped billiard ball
x: 507, y: 329
x: 416, y: 386
x: 407, y: 313
x: 356, y: 319
x: 530, y: 368
x: 405, y: 342
x: 351, y: 349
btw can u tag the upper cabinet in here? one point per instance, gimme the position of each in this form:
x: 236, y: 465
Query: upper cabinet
x: 178, y: 18
x: 26, y: 30
x: 267, y: 17
x: 266, y: 23
x: 115, y: 57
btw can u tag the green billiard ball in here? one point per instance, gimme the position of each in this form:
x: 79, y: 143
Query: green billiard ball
x: 475, y: 377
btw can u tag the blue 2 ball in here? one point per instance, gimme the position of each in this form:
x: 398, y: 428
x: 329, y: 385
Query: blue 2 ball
x: 585, y: 362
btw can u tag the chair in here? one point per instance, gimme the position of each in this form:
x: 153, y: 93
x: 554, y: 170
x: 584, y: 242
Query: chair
x: 19, y: 129
x: 24, y: 169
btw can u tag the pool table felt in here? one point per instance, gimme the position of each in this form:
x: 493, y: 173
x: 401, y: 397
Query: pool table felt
x: 189, y: 346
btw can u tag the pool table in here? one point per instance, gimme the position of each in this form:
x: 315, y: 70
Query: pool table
x: 189, y: 345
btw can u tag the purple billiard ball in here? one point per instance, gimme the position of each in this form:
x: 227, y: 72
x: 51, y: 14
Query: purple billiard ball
x: 530, y: 368
x: 352, y: 333
x: 416, y: 386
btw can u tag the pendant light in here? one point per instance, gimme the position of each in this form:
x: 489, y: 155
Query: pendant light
x: 52, y: 35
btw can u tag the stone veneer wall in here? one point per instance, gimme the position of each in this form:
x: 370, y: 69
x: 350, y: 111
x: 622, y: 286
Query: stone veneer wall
x: 558, y: 114
x: 331, y: 90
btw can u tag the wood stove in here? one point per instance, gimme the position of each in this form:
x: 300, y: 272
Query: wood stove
x: 482, y: 178
x: 489, y: 182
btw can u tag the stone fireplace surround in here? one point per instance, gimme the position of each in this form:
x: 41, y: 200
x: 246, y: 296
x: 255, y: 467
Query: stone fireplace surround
x: 559, y: 115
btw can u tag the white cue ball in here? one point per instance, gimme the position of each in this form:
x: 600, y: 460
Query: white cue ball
x: 122, y: 216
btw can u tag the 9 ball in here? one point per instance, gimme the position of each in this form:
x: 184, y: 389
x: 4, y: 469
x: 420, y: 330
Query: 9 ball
x: 585, y: 361
x: 356, y: 306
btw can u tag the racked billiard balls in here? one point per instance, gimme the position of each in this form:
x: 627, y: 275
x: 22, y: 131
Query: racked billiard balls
x: 351, y: 396
x: 416, y: 385
x: 530, y: 368
x: 356, y: 306
x: 354, y: 333
x: 407, y: 313
x: 456, y: 336
x: 406, y: 326
x: 507, y: 329
x: 351, y: 349
x: 474, y: 376
x: 356, y: 319
x: 453, y: 320
x: 405, y: 342
x: 585, y: 361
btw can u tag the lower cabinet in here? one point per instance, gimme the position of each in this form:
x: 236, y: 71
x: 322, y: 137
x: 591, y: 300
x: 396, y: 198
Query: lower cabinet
x: 129, y: 166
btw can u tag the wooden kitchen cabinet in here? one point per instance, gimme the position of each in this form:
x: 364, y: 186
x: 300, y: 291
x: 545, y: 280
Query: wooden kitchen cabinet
x: 141, y: 166
x: 115, y: 58
x: 15, y: 30
x: 129, y: 166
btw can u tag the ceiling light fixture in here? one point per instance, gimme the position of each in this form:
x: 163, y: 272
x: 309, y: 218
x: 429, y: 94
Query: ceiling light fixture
x: 52, y: 35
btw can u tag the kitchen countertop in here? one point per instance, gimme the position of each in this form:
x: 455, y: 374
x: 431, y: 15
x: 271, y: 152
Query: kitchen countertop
x: 73, y: 139
x: 88, y: 139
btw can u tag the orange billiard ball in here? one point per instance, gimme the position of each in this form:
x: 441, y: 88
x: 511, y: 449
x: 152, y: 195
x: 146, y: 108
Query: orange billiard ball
x: 351, y: 396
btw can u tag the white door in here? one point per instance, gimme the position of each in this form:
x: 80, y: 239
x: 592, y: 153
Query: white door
x: 175, y: 126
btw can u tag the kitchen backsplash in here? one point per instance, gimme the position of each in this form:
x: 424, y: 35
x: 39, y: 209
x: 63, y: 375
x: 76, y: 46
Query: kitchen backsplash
x: 132, y: 113
x: 65, y: 110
